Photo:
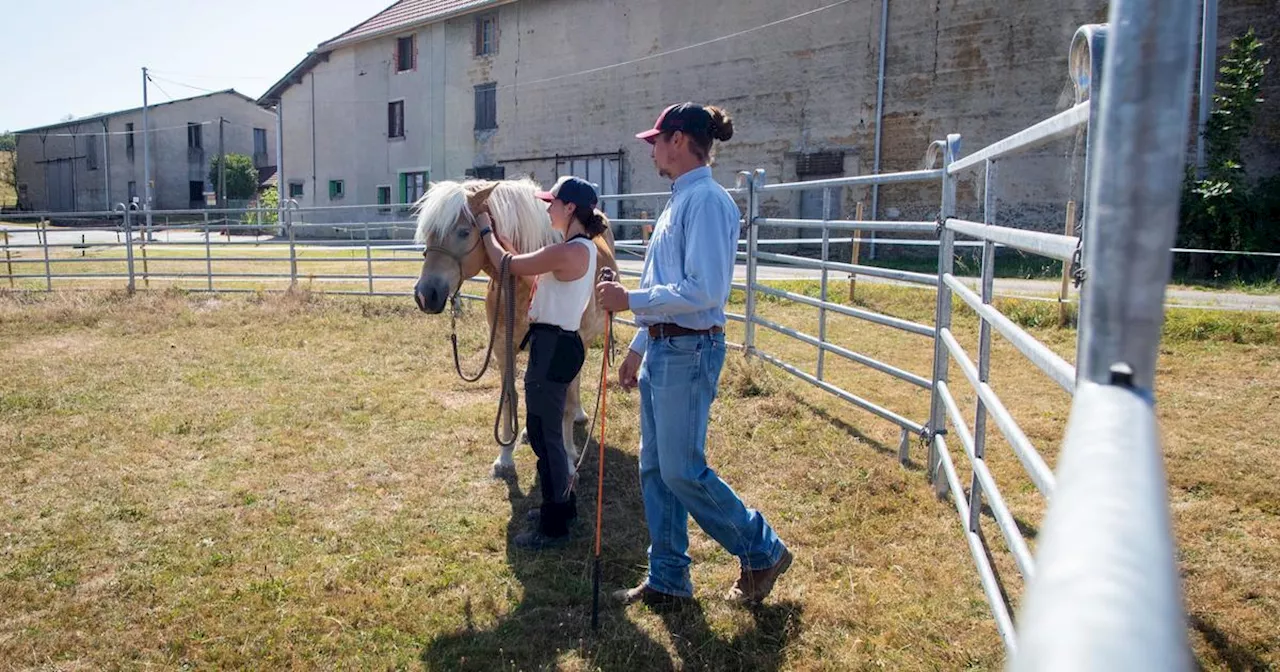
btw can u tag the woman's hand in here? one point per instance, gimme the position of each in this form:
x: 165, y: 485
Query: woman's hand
x: 493, y: 247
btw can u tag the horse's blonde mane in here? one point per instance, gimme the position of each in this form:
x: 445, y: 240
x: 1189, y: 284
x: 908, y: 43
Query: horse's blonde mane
x: 518, y: 216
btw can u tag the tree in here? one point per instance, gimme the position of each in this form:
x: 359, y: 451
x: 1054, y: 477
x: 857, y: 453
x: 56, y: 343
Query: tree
x: 1220, y: 211
x: 242, y: 177
x: 8, y: 142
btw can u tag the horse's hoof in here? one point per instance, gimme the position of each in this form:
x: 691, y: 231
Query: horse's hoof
x: 503, y: 471
x: 524, y: 437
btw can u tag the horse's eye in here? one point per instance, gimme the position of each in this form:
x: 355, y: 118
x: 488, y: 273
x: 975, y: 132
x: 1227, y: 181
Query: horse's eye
x: 464, y: 232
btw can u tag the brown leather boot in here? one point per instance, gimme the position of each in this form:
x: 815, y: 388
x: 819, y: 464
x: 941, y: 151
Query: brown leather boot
x: 654, y: 599
x: 753, y: 586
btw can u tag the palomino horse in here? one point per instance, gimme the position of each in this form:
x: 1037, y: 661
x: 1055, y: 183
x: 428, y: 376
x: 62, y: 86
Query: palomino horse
x: 446, y: 226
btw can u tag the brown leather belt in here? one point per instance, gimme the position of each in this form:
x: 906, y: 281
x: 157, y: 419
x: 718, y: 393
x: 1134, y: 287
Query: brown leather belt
x: 668, y: 329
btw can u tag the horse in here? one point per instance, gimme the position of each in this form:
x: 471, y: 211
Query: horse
x: 454, y: 252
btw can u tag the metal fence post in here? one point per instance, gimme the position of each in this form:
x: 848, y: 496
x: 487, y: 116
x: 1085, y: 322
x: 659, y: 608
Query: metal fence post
x: 8, y: 260
x: 941, y: 360
x: 208, y: 250
x: 822, y: 310
x: 293, y: 249
x: 368, y: 257
x: 754, y: 180
x: 44, y: 242
x: 128, y: 244
x: 990, y: 184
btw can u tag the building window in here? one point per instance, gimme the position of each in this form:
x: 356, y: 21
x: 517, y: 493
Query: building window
x: 260, y: 142
x: 486, y: 107
x: 91, y: 153
x: 194, y: 136
x: 406, y: 56
x: 412, y: 186
x: 488, y: 172
x: 337, y: 189
x: 128, y: 141
x: 295, y: 190
x: 486, y: 34
x: 195, y: 189
x: 384, y: 198
x: 133, y: 190
x: 395, y: 119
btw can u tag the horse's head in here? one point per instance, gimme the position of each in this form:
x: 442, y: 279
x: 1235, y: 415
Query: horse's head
x: 454, y: 252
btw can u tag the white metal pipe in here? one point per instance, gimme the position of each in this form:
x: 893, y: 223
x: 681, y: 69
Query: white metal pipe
x: 869, y: 316
x: 858, y: 180
x: 868, y: 406
x: 1047, y: 360
x: 1057, y: 126
x: 1026, y: 453
x: 1052, y: 245
x: 1106, y: 594
x: 986, y: 575
x: 876, y: 364
x: 982, y: 476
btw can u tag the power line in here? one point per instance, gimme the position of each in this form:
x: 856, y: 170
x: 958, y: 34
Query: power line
x: 680, y: 49
x: 171, y: 81
x: 195, y: 76
x: 166, y: 93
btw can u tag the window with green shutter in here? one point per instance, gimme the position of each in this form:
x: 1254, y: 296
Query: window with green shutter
x: 336, y: 189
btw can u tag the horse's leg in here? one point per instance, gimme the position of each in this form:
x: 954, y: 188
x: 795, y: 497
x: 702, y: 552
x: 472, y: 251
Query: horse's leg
x: 572, y: 407
x: 505, y: 465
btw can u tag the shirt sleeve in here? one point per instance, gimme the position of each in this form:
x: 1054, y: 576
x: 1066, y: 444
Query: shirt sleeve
x: 708, y: 263
x: 640, y: 342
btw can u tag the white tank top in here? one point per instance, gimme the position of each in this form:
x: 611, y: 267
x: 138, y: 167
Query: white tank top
x: 562, y: 303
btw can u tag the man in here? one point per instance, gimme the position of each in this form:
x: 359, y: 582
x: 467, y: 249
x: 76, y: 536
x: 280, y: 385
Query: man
x: 676, y: 358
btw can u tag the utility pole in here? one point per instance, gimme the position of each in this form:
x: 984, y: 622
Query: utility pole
x: 222, y: 167
x: 146, y: 157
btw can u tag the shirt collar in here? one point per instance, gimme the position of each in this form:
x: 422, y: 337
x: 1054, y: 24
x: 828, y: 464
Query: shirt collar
x: 687, y: 180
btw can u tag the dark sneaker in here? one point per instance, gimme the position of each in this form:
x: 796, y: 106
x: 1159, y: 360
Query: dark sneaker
x: 753, y: 586
x: 535, y: 540
x: 654, y: 599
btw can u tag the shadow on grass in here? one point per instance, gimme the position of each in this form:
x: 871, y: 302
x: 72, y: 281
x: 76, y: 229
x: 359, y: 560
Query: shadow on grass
x: 855, y: 433
x: 1235, y: 655
x: 553, y: 618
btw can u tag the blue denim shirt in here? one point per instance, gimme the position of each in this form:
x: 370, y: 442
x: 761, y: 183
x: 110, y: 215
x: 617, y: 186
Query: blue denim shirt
x: 688, y: 268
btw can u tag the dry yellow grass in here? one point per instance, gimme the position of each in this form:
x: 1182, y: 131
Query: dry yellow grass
x: 298, y: 481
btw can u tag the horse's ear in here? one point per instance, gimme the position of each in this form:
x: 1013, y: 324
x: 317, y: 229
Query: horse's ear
x: 476, y: 201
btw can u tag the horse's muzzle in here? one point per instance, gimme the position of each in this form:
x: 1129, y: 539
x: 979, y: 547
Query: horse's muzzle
x: 431, y: 294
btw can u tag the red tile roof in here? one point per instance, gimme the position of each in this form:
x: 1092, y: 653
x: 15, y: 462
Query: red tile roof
x: 404, y: 14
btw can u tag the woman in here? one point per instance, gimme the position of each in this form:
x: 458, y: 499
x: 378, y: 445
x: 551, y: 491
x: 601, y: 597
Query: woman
x: 566, y: 278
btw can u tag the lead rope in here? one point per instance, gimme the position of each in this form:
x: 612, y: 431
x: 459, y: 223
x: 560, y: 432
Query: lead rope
x: 508, y: 397
x: 607, y: 275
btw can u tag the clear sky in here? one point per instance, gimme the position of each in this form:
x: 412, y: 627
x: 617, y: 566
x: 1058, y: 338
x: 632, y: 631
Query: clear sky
x: 82, y: 57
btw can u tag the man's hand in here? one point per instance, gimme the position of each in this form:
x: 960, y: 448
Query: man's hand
x: 612, y: 297
x: 629, y: 370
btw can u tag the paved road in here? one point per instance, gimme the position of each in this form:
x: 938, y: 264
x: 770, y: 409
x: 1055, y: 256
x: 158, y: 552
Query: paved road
x: 1011, y: 287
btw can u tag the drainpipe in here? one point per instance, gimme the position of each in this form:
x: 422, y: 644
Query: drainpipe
x: 1208, y: 71
x: 106, y: 166
x: 875, y: 168
x: 315, y: 195
x: 281, y: 184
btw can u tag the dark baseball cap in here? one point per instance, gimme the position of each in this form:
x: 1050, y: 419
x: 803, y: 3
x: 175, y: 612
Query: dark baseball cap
x: 570, y: 189
x: 688, y: 117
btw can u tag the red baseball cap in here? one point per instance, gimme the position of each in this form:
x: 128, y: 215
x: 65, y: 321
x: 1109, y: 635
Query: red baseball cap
x: 678, y: 117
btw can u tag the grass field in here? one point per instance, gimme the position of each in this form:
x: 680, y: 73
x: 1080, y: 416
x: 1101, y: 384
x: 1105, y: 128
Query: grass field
x: 267, y: 481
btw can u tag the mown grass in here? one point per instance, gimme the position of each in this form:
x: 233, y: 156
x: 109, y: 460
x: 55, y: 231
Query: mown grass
x: 265, y: 481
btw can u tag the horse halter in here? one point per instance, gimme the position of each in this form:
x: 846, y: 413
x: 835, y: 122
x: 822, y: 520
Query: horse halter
x: 457, y: 258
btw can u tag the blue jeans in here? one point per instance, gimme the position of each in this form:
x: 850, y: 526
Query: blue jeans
x: 678, y: 381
